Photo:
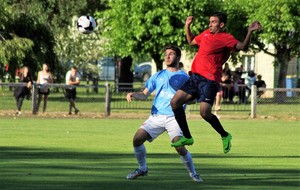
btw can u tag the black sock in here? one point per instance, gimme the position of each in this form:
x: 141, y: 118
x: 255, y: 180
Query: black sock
x: 181, y: 120
x: 215, y: 123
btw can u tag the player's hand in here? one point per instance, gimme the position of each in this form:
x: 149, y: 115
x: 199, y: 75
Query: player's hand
x: 255, y: 26
x: 189, y: 20
x: 129, y: 96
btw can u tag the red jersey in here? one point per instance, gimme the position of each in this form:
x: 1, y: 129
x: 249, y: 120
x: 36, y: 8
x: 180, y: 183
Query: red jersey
x: 214, y: 50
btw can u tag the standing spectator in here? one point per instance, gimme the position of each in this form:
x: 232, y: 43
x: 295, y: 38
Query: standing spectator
x: 22, y: 92
x: 214, y: 50
x: 44, y: 78
x: 260, y: 84
x: 72, y: 78
x: 165, y: 83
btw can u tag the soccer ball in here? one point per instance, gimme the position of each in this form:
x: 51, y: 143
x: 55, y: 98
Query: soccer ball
x: 86, y: 24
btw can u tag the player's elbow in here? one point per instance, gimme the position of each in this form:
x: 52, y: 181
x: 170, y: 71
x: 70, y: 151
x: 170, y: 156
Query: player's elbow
x: 242, y: 47
x: 192, y: 42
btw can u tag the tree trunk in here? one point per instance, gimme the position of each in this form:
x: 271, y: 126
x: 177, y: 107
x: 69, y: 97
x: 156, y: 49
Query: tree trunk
x: 283, y: 58
x: 158, y: 61
x: 126, y: 75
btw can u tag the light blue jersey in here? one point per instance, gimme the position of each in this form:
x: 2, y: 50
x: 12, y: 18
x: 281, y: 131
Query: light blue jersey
x: 166, y: 84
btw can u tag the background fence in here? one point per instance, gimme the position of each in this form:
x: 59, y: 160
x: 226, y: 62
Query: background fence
x: 109, y: 99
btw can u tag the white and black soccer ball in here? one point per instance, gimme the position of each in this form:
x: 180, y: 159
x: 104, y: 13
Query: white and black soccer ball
x: 86, y: 24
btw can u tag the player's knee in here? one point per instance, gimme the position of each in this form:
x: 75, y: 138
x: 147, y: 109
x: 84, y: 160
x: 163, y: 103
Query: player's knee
x: 139, y: 138
x: 205, y: 115
x: 137, y: 141
x: 173, y: 104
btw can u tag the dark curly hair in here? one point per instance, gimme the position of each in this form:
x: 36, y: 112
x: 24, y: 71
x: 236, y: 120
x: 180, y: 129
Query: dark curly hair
x: 222, y: 16
x: 174, y: 48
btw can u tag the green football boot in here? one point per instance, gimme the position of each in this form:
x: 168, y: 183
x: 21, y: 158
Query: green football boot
x: 227, y: 143
x: 183, y: 141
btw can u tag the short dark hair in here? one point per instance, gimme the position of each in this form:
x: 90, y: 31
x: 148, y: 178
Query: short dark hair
x: 174, y: 48
x: 222, y: 16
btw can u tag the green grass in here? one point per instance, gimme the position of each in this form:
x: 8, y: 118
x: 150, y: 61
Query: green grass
x: 83, y: 154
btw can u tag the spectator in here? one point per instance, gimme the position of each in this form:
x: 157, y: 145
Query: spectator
x: 226, y: 89
x: 44, y: 78
x: 22, y: 92
x: 227, y: 84
x: 239, y: 71
x: 72, y: 78
x: 239, y: 88
x: 260, y: 84
x: 218, y: 102
x: 250, y: 80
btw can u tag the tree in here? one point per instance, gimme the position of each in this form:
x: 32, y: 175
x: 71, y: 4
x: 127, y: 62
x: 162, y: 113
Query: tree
x: 73, y: 47
x: 280, y: 20
x: 140, y: 27
x: 13, y: 47
x: 48, y: 29
x: 82, y: 50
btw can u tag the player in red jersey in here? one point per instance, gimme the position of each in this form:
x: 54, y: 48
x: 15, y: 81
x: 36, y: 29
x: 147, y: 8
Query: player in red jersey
x: 215, y: 45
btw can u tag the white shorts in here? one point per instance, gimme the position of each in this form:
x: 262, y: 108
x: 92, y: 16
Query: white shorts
x: 155, y: 125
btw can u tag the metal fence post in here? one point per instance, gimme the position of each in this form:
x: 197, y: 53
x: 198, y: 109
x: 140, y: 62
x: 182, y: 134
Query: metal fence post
x: 34, y: 102
x: 107, y: 99
x: 253, y: 101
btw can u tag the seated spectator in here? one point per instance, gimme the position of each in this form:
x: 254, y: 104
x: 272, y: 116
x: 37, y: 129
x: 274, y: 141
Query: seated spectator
x: 239, y: 71
x: 239, y: 88
x: 249, y: 81
x: 260, y: 84
x: 227, y: 84
x: 226, y: 89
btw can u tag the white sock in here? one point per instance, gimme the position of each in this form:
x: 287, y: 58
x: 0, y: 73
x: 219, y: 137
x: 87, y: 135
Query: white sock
x: 188, y: 163
x: 140, y: 154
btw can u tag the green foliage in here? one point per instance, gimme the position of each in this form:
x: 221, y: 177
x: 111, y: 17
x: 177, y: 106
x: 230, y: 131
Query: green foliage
x: 280, y: 20
x: 79, y: 49
x: 48, y: 27
x: 140, y: 27
x: 135, y: 28
x: 4, y: 15
x: 14, y: 49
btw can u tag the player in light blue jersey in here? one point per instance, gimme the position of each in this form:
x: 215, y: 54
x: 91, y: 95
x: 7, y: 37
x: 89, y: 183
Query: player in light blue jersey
x: 165, y: 83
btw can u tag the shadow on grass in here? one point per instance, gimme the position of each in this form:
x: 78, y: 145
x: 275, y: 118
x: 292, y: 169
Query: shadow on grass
x: 37, y: 168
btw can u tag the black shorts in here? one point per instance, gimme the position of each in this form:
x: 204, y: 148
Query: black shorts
x: 71, y: 93
x: 47, y: 92
x: 202, y: 89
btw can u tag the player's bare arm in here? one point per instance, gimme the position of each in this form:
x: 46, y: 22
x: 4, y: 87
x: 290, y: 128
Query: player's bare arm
x: 50, y: 78
x: 189, y: 35
x: 77, y: 82
x: 245, y: 44
x: 138, y: 95
x: 38, y: 79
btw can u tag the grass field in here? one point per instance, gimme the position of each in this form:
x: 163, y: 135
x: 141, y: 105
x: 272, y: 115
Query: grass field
x: 84, y: 154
